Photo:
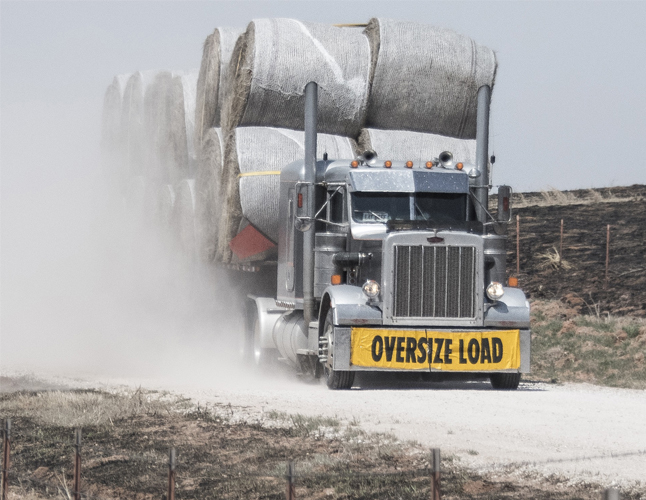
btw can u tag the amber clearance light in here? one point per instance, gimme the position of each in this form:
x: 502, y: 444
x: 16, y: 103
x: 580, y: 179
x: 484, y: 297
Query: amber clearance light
x: 354, y: 164
x: 459, y: 166
x: 409, y: 164
x: 429, y: 164
x: 388, y: 164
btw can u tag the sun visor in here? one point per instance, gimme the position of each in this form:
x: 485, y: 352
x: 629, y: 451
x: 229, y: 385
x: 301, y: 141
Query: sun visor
x: 409, y: 181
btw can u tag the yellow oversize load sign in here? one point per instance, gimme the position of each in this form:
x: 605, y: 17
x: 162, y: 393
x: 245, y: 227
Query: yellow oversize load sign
x: 446, y: 351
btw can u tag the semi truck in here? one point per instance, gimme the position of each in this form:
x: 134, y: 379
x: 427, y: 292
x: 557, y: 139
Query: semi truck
x: 389, y: 266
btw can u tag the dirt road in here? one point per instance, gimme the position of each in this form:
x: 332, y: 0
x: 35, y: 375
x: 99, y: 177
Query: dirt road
x: 582, y: 432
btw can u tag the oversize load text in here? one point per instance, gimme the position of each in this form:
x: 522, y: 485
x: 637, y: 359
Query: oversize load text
x: 447, y: 351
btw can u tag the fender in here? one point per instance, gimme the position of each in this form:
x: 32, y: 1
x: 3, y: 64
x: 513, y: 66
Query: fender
x: 268, y: 314
x: 512, y: 311
x: 351, y: 306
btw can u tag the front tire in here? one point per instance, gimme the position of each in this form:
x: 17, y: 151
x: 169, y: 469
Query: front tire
x: 335, y: 379
x: 505, y: 381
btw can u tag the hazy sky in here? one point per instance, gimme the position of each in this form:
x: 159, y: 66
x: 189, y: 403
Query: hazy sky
x: 569, y: 107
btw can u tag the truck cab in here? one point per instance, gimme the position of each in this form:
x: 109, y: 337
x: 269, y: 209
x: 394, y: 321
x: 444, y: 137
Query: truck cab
x: 407, y: 273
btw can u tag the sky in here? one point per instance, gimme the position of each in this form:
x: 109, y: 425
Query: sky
x: 568, y: 106
x: 568, y: 112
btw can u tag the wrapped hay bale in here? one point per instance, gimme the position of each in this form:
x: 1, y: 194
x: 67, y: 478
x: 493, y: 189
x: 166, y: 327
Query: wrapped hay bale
x: 253, y: 159
x: 111, y: 147
x: 207, y: 191
x: 216, y: 55
x: 425, y: 78
x: 415, y: 146
x: 183, y: 217
x: 181, y: 125
x: 274, y: 60
x: 133, y: 122
x: 157, y: 105
x: 165, y: 204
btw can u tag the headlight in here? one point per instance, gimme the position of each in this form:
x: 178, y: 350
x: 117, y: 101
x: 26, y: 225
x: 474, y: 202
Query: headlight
x: 371, y: 289
x: 495, y: 290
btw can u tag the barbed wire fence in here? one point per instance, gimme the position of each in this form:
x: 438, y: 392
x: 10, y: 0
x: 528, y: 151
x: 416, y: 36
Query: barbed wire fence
x: 291, y: 477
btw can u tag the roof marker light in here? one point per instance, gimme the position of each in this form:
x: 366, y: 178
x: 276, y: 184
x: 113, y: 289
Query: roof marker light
x: 409, y: 164
x: 459, y: 166
x: 388, y: 164
x: 429, y: 164
x: 354, y: 164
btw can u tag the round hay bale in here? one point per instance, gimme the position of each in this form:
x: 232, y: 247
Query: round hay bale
x: 133, y: 122
x: 157, y: 125
x: 111, y: 147
x: 424, y: 78
x: 216, y: 55
x: 274, y: 60
x: 181, y: 113
x: 416, y: 146
x: 165, y: 204
x: 253, y: 159
x: 184, y: 217
x: 207, y: 190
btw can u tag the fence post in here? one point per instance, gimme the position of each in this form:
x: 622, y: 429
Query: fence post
x: 517, y: 245
x: 607, y: 251
x: 561, y: 244
x: 6, y: 448
x: 611, y: 494
x: 77, y: 464
x: 171, y: 475
x: 435, y: 476
x: 291, y: 490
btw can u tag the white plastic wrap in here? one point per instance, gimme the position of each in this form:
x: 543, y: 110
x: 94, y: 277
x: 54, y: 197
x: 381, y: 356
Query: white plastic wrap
x: 250, y: 151
x: 274, y: 60
x: 402, y: 145
x: 425, y: 78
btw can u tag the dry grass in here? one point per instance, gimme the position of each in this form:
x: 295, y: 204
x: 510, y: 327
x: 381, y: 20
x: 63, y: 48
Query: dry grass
x: 593, y: 348
x: 552, y: 259
x: 555, y: 197
x: 73, y: 409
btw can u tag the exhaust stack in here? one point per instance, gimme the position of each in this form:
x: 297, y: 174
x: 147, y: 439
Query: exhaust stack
x: 309, y: 177
x: 482, y: 152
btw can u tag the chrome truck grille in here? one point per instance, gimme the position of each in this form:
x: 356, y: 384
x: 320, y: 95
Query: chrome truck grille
x: 434, y: 281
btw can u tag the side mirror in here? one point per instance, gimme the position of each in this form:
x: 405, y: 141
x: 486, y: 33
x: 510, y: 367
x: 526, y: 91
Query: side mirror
x: 504, y: 210
x: 302, y: 224
x: 504, y: 204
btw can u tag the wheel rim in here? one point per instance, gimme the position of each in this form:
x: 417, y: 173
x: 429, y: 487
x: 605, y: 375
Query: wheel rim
x: 330, y: 348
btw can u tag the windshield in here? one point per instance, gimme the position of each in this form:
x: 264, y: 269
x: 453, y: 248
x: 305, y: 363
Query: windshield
x: 384, y: 207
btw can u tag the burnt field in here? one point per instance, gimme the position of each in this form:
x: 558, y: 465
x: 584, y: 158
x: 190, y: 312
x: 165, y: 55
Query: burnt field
x: 578, y: 276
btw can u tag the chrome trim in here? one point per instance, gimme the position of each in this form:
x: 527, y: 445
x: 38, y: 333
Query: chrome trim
x: 444, y: 286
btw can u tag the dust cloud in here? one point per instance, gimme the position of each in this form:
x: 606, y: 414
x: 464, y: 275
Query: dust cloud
x: 88, y: 287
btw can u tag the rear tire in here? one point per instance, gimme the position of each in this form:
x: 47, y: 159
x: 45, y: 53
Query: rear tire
x: 335, y: 379
x: 505, y: 381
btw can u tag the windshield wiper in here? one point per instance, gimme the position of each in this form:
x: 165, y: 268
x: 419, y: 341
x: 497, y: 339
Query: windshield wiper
x: 420, y: 211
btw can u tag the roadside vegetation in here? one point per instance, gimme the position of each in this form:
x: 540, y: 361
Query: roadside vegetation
x: 127, y: 436
x: 595, y: 348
